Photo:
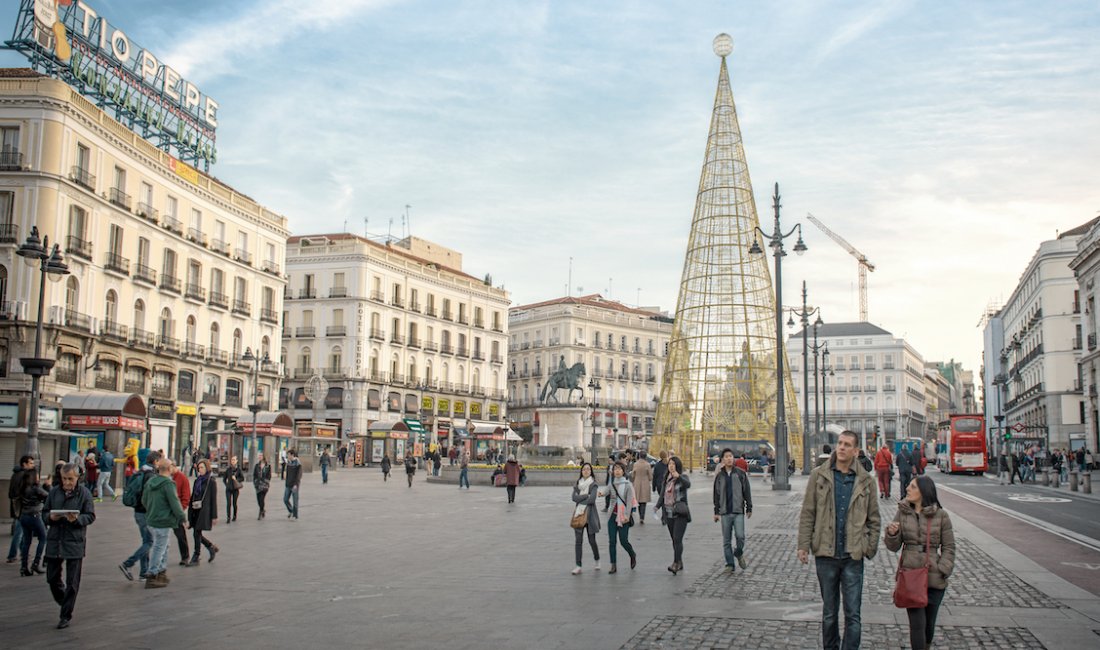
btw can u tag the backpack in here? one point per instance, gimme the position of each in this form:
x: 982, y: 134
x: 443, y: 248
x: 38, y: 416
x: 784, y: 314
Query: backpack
x: 135, y: 486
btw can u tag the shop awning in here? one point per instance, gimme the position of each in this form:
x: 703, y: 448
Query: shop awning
x: 461, y: 432
x: 268, y: 423
x: 493, y: 431
x: 389, y: 429
x: 414, y: 426
x: 103, y: 412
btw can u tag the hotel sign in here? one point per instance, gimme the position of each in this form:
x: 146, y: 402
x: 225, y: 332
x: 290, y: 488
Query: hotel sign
x: 69, y: 40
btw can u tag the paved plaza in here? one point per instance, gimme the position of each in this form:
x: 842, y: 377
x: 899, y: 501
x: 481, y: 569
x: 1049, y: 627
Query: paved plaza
x: 373, y: 564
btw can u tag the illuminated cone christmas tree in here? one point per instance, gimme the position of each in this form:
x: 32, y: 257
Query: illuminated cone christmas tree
x: 719, y: 379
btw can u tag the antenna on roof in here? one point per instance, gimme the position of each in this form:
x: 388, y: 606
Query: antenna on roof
x: 365, y: 231
x: 345, y: 226
x: 568, y: 291
x: 389, y: 231
x: 407, y: 220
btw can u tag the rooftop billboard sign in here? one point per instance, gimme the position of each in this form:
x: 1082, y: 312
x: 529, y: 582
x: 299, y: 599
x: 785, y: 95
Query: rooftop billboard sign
x: 69, y: 40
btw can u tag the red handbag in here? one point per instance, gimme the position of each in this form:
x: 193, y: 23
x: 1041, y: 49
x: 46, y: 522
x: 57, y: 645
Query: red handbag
x: 911, y: 590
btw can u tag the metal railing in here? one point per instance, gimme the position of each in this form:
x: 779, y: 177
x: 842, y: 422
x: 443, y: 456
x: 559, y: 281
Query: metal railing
x: 218, y: 299
x: 148, y: 212
x: 241, y: 307
x: 79, y: 247
x: 145, y: 273
x: 170, y: 283
x: 197, y: 236
x: 117, y: 263
x: 141, y: 338
x: 11, y: 160
x: 336, y: 330
x: 173, y: 224
x: 83, y: 177
x: 9, y: 233
x: 119, y: 198
x: 269, y: 315
x: 195, y: 291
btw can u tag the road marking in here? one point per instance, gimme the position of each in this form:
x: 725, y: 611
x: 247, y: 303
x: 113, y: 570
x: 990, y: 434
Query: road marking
x: 1064, y: 533
x: 1031, y: 498
x: 1083, y: 565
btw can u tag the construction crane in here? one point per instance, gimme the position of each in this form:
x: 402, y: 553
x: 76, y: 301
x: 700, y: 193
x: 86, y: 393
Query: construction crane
x: 865, y: 264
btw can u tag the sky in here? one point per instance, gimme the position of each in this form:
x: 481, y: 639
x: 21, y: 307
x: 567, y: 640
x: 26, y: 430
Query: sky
x: 944, y: 140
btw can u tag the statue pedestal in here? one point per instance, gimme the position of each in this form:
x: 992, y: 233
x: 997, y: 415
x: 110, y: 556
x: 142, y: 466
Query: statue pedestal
x: 562, y: 427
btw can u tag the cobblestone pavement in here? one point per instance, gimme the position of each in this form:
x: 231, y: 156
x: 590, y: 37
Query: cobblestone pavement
x: 774, y: 573
x: 711, y: 633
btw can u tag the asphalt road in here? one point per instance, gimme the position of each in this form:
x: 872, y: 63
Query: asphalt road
x: 1074, y: 557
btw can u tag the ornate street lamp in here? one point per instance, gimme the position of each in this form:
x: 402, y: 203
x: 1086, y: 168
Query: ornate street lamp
x: 50, y: 263
x: 804, y: 315
x: 594, y: 386
x: 775, y: 241
x: 826, y: 371
x: 817, y: 348
x: 256, y: 362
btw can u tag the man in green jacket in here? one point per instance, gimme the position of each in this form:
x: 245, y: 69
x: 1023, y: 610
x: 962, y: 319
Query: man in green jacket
x: 163, y: 513
x: 840, y: 525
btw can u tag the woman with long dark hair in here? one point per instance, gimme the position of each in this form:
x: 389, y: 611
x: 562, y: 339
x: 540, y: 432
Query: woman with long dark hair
x: 921, y: 521
x: 203, y: 510
x: 31, y: 499
x: 261, y: 480
x: 673, y: 506
x: 623, y: 507
x: 584, y: 500
x: 234, y: 481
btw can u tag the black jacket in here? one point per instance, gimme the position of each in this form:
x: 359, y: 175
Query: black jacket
x: 66, y: 539
x: 293, y: 473
x: 904, y: 462
x: 32, y: 500
x: 261, y: 477
x: 13, y: 491
x: 410, y: 465
x: 386, y: 464
x: 679, y: 493
x: 660, y: 471
x: 203, y: 518
x: 233, y: 472
x: 720, y: 490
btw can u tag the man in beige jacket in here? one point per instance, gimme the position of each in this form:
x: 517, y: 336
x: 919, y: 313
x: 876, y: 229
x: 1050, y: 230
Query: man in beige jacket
x: 840, y: 525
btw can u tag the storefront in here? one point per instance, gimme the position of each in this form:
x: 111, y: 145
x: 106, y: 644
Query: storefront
x: 392, y: 438
x: 162, y: 425
x: 274, y: 430
x: 110, y: 419
x: 490, y: 436
x: 52, y: 440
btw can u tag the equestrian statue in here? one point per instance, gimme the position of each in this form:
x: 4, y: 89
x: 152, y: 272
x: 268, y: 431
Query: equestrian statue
x: 567, y: 378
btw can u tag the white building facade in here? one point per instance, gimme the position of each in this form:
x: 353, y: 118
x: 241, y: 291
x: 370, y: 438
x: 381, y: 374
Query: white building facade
x: 871, y: 378
x: 623, y: 349
x: 173, y: 275
x: 397, y: 331
x: 1042, y: 333
x: 1086, y: 267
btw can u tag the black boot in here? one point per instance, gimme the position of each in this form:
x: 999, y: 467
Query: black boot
x: 23, y: 570
x: 35, y: 568
x: 194, y: 559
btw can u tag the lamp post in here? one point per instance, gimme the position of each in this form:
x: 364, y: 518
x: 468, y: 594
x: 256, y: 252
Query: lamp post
x: 804, y: 315
x: 817, y: 348
x: 594, y: 385
x: 775, y: 241
x: 255, y: 405
x: 51, y: 265
x: 825, y: 370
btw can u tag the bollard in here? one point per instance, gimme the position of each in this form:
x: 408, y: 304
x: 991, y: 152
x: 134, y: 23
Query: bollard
x: 1073, y: 481
x: 1087, y: 486
x: 1046, y: 476
x: 1055, y: 479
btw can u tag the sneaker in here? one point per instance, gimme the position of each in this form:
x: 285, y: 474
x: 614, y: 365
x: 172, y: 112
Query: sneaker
x: 98, y: 500
x: 114, y: 497
x: 576, y: 571
x: 62, y: 624
x: 126, y: 572
x: 741, y: 562
x: 730, y: 568
x: 597, y: 567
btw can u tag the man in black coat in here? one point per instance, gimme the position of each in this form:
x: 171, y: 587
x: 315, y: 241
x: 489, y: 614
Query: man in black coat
x: 66, y: 538
x: 15, y: 503
x: 660, y: 472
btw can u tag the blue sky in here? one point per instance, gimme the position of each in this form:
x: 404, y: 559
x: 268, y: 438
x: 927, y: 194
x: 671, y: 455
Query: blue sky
x: 944, y: 139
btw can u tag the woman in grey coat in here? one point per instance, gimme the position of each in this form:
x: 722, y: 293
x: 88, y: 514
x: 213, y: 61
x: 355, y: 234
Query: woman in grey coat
x: 584, y: 498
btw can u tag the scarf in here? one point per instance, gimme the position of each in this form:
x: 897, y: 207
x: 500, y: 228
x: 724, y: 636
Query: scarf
x: 582, y: 486
x: 622, y: 509
x: 200, y: 487
x: 670, y: 493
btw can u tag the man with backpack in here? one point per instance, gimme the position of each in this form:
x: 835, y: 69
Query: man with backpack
x: 131, y: 497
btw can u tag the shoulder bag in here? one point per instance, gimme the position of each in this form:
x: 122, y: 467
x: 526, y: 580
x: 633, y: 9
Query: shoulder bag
x: 911, y: 590
x: 626, y: 506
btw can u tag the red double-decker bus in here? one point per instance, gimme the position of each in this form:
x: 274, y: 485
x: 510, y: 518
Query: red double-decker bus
x: 960, y: 444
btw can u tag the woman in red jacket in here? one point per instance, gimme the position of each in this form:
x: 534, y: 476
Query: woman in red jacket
x: 884, y: 464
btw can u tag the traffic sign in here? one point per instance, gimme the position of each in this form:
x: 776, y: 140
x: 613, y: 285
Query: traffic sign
x: 1018, y: 427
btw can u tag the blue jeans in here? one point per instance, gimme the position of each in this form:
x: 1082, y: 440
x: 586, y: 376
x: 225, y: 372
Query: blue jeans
x: 614, y: 530
x: 141, y: 556
x: 324, y: 473
x: 32, y: 526
x: 16, y: 538
x: 158, y: 560
x: 464, y: 479
x: 733, y: 526
x: 288, y: 494
x: 840, y: 579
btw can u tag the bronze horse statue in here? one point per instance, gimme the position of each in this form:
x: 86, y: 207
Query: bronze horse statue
x: 568, y: 378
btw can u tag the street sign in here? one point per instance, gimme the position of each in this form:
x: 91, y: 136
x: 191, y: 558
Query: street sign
x: 1018, y: 427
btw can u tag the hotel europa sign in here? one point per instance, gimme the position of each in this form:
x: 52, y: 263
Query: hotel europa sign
x: 69, y: 40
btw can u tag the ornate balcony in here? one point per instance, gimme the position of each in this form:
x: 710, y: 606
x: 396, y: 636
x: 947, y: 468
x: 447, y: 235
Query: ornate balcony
x: 117, y: 263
